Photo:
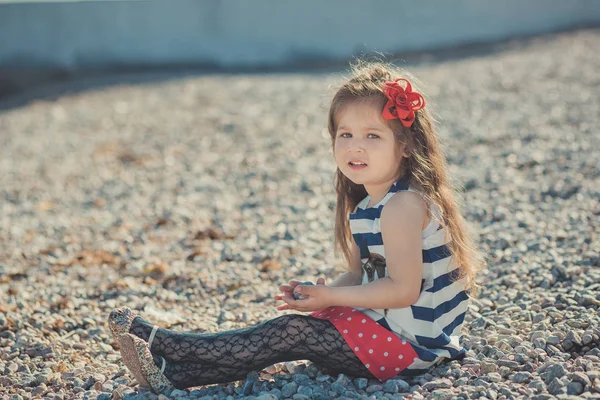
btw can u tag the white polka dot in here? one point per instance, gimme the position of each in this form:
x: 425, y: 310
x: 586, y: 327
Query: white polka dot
x: 335, y: 319
x: 353, y: 310
x: 349, y: 318
x: 374, y: 336
x: 382, y: 368
x: 368, y: 365
x: 403, y: 341
x: 400, y: 357
x: 328, y: 317
x: 356, y: 349
x: 360, y: 335
x: 397, y: 369
x: 364, y: 320
x: 341, y: 314
x: 331, y: 309
x: 389, y: 339
x: 345, y: 330
x: 371, y: 351
x: 385, y: 354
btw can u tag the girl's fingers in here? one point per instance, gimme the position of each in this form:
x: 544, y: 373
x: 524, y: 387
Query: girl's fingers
x: 286, y: 288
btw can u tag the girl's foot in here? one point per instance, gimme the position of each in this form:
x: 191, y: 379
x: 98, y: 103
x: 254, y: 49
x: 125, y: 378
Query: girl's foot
x: 119, y: 322
x: 138, y: 359
x: 122, y: 321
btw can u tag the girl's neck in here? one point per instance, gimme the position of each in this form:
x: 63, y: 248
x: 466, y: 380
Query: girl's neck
x: 378, y: 193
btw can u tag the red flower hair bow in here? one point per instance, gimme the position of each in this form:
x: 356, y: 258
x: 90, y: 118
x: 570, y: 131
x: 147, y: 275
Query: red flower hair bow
x: 402, y: 102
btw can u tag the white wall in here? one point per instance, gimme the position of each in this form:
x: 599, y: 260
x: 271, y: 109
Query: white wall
x: 76, y: 34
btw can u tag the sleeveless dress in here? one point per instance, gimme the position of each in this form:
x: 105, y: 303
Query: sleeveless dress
x: 410, y: 340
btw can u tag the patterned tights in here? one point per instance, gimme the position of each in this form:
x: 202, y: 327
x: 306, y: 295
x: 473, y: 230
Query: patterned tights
x: 199, y: 359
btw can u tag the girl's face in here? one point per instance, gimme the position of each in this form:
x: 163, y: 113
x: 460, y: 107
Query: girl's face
x: 363, y: 137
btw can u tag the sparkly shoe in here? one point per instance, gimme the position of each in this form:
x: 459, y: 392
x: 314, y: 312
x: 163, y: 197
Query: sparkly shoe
x: 119, y: 321
x: 138, y: 359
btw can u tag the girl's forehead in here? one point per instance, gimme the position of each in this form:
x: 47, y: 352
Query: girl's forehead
x: 365, y: 111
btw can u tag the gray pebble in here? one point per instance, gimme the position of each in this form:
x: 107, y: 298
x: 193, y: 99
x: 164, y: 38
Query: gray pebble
x: 299, y: 396
x: 361, y: 383
x: 289, y: 389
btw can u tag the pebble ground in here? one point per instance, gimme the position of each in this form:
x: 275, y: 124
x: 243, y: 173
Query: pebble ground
x: 190, y: 198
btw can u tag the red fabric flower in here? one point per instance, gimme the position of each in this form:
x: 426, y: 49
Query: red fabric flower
x: 402, y: 102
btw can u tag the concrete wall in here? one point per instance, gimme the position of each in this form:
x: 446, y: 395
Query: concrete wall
x: 233, y: 33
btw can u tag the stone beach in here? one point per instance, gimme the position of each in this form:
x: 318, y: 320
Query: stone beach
x: 190, y: 198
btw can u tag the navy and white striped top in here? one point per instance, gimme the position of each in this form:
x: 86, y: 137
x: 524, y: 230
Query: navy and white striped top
x: 432, y: 324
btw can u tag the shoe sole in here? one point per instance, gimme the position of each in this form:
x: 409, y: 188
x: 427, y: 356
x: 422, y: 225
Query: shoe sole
x: 131, y: 359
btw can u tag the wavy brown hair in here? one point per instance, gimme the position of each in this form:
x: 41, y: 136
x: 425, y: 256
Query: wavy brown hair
x: 425, y: 164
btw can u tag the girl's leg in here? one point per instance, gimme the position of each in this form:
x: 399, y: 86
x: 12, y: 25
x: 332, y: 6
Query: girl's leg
x: 230, y: 355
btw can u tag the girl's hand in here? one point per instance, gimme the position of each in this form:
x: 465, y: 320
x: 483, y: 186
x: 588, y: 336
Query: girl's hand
x: 318, y: 296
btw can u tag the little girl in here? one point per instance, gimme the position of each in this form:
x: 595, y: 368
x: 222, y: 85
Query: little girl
x: 400, y: 306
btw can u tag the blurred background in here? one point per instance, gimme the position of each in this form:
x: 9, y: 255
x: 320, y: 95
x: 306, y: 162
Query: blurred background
x: 47, y: 39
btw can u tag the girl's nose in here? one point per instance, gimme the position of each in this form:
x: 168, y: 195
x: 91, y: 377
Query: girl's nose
x: 356, y: 145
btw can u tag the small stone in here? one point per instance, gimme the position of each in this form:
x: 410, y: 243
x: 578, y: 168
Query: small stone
x: 361, y: 383
x: 579, y: 377
x: 390, y: 387
x: 299, y: 396
x: 338, y: 387
x: 439, y: 384
x: 324, y: 378
x: 555, y: 386
x: 374, y: 388
x: 40, y: 390
x: 555, y: 371
x: 553, y: 340
x: 305, y: 390
x: 179, y: 393
x: 487, y: 367
x: 509, y: 364
x: 289, y: 389
x: 267, y: 396
x: 442, y: 394
x: 522, y: 377
x: 301, y: 379
x: 319, y: 394
x: 537, y: 385
x: 162, y: 397
x: 575, y: 388
x: 539, y: 317
x: 12, y: 368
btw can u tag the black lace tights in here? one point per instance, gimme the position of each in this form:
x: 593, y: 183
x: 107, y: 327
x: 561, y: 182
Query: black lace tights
x: 199, y: 359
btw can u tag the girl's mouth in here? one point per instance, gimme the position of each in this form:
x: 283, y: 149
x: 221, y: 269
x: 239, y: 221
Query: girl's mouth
x: 357, y: 165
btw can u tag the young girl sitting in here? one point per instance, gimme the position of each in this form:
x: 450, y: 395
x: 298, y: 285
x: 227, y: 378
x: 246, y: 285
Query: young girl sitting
x: 400, y: 306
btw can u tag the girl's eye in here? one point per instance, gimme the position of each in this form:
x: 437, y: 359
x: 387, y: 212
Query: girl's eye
x: 370, y: 134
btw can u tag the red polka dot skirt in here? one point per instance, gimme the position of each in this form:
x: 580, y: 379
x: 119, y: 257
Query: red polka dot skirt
x: 383, y: 353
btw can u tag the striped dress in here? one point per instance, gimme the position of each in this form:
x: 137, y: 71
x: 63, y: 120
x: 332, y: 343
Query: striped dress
x: 431, y: 325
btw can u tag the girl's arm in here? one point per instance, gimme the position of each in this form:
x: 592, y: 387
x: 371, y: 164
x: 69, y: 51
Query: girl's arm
x: 353, y: 276
x: 401, y: 224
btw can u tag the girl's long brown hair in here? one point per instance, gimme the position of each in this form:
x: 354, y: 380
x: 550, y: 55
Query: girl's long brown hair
x: 426, y: 165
